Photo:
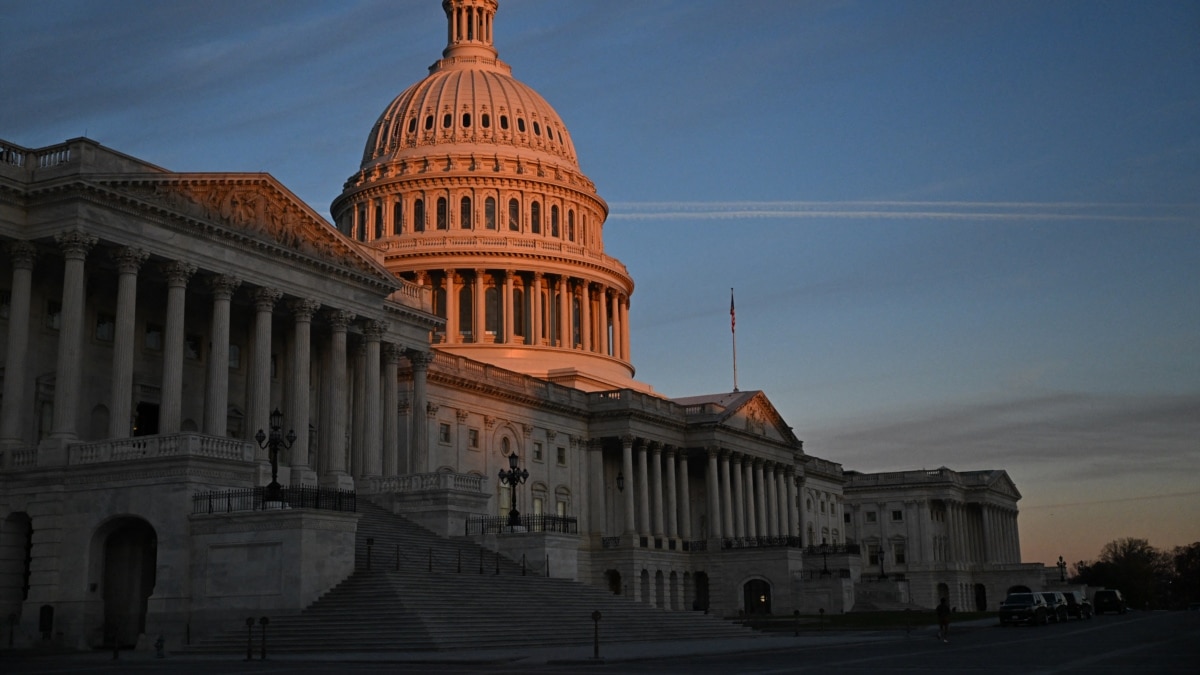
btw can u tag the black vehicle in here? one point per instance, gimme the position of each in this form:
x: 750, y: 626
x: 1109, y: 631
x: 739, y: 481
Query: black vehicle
x: 1108, y: 600
x: 1078, y: 605
x: 1030, y: 608
x: 1057, y: 606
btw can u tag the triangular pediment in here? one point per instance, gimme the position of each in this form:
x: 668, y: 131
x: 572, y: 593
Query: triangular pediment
x: 745, y: 411
x: 253, y: 206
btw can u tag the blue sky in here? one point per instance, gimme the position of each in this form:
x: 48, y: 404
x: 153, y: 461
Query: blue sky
x: 961, y: 234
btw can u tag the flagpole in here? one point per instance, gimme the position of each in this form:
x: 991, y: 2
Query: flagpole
x: 733, y: 333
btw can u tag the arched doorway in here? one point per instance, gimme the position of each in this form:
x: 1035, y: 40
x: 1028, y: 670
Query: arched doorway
x: 700, y: 581
x: 756, y: 597
x: 613, y: 579
x: 980, y: 598
x: 16, y: 549
x: 130, y: 556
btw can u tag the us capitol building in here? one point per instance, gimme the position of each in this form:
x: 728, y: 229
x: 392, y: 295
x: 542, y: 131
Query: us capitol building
x: 459, y: 319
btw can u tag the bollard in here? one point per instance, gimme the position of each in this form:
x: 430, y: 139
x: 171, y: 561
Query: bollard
x: 796, y: 613
x: 263, y: 622
x: 250, y: 638
x: 596, y: 635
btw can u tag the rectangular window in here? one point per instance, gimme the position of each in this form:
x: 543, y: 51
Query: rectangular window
x: 846, y: 518
x: 537, y: 451
x: 473, y: 438
x: 538, y: 505
x: 153, y: 338
x: 106, y: 326
x: 444, y: 432
x: 870, y: 516
x: 898, y: 554
x: 562, y: 456
x: 822, y: 507
x: 897, y: 516
x: 873, y: 555
x: 53, y: 315
x: 191, y: 347
x: 561, y: 508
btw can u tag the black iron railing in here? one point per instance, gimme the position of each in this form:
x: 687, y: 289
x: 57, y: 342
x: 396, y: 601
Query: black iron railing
x: 477, y: 525
x: 292, y: 497
x: 852, y: 549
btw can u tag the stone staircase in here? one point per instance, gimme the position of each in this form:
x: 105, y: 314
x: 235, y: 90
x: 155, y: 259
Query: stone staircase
x: 432, y: 595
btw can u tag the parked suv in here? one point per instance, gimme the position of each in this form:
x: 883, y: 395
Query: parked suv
x: 1078, y: 605
x: 1108, y: 600
x: 1056, y: 604
x: 1027, y: 608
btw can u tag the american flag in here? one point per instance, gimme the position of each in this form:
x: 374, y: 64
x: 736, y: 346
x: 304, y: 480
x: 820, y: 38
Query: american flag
x: 732, y: 314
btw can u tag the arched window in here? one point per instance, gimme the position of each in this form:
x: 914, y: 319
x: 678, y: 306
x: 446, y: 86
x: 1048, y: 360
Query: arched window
x: 571, y: 224
x: 537, y: 129
x: 504, y: 122
x: 514, y: 215
x: 412, y: 125
x: 465, y: 213
x: 378, y: 220
x: 535, y: 218
x: 398, y: 218
x: 489, y: 213
x: 428, y: 122
x: 442, y: 216
x: 491, y: 310
x: 466, y: 120
x: 554, y: 220
x: 361, y: 230
x: 485, y: 120
x: 419, y: 215
x: 521, y: 124
x: 447, y: 120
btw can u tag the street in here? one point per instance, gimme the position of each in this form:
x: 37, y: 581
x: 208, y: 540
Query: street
x: 1138, y: 642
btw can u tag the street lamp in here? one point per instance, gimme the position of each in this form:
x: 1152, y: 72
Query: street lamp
x: 512, y: 478
x: 1062, y: 569
x: 882, y: 573
x: 273, y: 443
x: 824, y: 559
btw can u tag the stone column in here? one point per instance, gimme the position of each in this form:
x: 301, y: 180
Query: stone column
x: 302, y: 311
x: 420, y: 421
x: 739, y: 512
x: 656, y: 489
x: 338, y: 387
x: 358, y: 410
x: 685, y: 498
x: 507, y: 307
x: 372, y: 436
x: 260, y: 378
x: 478, y: 311
x: 16, y: 360
x: 793, y: 503
x: 627, y: 469
x: 781, y: 495
x: 672, y: 495
x: 771, y: 520
x: 752, y: 530
x: 760, y: 505
x: 714, y: 502
x: 391, y: 404
x: 726, y: 496
x: 585, y: 315
x: 120, y: 407
x: 603, y: 307
x: 564, y: 313
x: 453, y: 331
x: 614, y: 315
x: 75, y: 246
x: 535, y: 298
x: 643, y: 484
x: 171, y: 404
x: 626, y: 347
x: 216, y: 400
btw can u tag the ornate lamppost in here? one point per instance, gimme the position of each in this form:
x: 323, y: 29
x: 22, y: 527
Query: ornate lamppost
x: 882, y: 573
x: 824, y: 559
x: 273, y: 443
x: 512, y: 478
x: 1062, y: 569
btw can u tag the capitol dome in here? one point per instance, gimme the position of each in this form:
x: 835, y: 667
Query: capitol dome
x: 470, y: 185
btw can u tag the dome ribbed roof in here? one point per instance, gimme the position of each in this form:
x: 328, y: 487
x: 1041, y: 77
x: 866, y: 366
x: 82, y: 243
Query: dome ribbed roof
x: 470, y: 102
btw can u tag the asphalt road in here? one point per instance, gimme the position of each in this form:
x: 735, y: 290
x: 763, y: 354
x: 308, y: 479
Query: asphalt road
x: 1139, y: 642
